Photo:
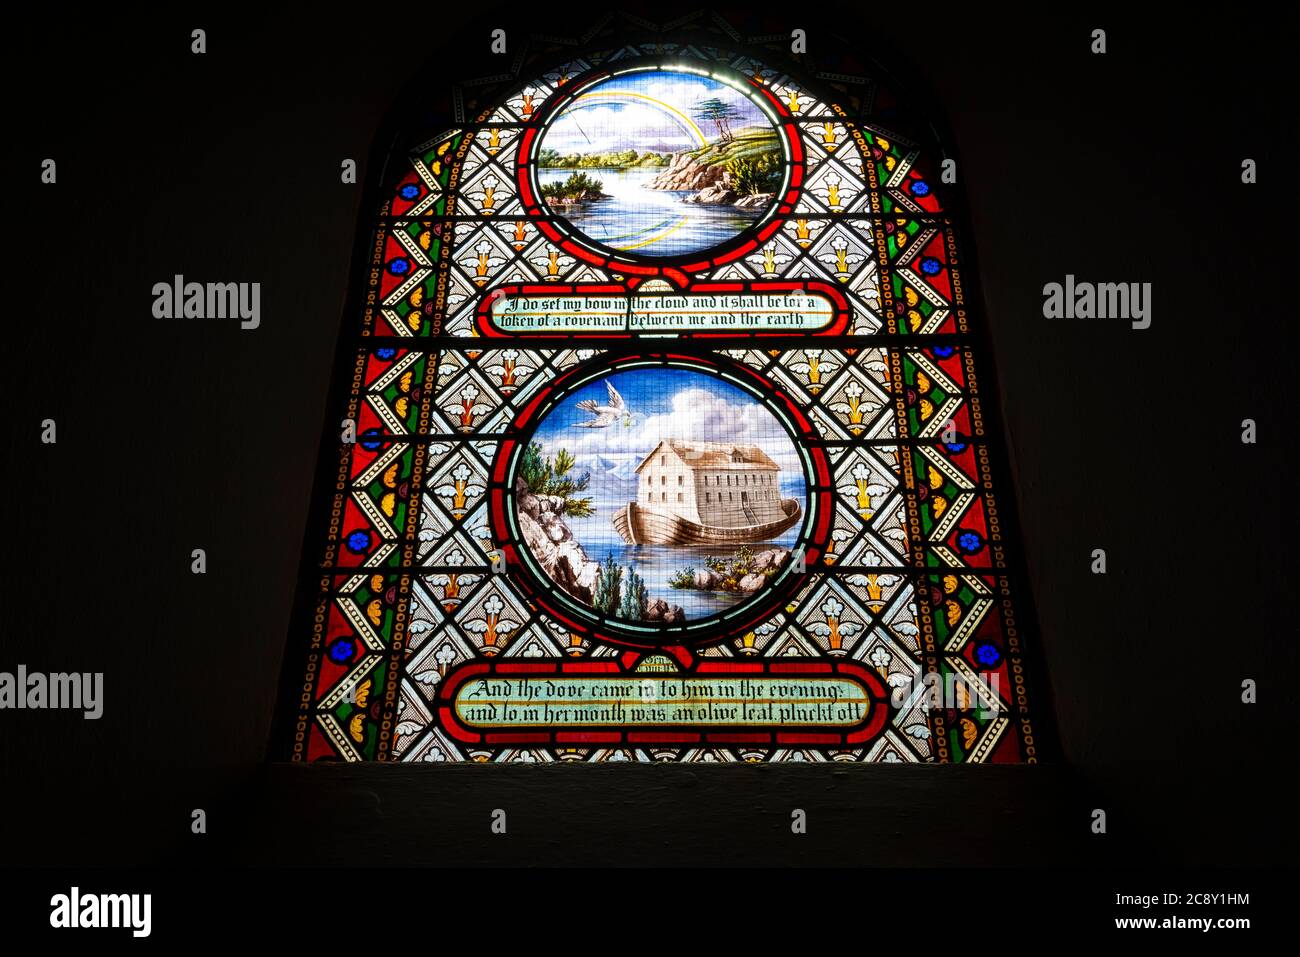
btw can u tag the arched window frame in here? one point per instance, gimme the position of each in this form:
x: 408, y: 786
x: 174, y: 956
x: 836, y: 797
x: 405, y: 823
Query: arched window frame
x: 912, y: 325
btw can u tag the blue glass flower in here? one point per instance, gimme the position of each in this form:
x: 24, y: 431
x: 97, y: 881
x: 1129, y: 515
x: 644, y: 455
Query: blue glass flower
x: 920, y: 187
x: 385, y: 353
x: 409, y: 191
x: 398, y: 266
x: 342, y: 650
x: 988, y: 655
x: 955, y: 447
x: 943, y: 352
x: 930, y: 266
x: 371, y: 439
x: 359, y: 542
x: 970, y: 542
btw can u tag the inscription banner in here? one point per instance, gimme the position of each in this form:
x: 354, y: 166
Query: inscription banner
x: 794, y: 311
x: 646, y: 700
x: 759, y: 703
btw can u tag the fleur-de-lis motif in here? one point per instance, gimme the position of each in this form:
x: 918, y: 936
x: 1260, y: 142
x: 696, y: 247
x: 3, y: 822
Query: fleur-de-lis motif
x: 492, y: 627
x: 488, y: 195
x: 467, y: 407
x: 864, y: 490
x: 459, y: 490
x: 833, y: 628
x: 452, y: 582
x: 467, y: 396
x: 552, y: 263
x: 875, y: 588
x: 814, y: 369
x: 814, y: 365
x: 482, y: 262
x: 841, y: 258
x: 855, y: 407
x: 509, y: 370
x: 833, y: 182
x: 770, y: 259
x: 854, y: 394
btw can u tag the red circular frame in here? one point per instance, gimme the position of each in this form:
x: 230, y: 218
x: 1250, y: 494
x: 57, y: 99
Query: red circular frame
x: 501, y: 499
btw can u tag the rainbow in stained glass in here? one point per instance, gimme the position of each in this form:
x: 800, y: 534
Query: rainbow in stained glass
x: 660, y: 162
x: 669, y: 445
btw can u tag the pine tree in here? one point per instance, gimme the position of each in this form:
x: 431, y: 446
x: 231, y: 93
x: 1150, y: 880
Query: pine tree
x: 607, y: 597
x: 632, y: 607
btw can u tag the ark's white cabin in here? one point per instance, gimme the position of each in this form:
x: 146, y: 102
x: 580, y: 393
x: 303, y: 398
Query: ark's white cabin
x: 711, y: 483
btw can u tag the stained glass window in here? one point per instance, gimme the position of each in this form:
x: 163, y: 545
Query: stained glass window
x: 664, y: 439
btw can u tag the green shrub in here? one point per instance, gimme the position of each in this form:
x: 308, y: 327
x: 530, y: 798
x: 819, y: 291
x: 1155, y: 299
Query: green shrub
x: 683, y: 579
x: 758, y: 175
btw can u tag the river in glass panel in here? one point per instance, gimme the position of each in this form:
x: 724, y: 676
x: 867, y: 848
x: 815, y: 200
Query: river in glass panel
x: 650, y: 222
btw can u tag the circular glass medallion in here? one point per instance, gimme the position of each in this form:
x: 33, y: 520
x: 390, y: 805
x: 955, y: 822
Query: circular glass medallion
x: 660, y: 162
x: 658, y: 496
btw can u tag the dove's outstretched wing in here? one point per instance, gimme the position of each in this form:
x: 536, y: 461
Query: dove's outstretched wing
x: 601, y: 421
x: 615, y: 400
x: 588, y: 405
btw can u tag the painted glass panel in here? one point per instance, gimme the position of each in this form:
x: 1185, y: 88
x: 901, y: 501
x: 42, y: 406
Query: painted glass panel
x: 668, y: 438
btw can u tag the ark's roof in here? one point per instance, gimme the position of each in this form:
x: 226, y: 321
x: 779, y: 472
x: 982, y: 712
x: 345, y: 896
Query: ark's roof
x: 698, y: 455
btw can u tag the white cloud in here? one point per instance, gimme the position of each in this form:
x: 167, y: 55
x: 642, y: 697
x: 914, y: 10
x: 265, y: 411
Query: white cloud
x: 608, y: 129
x: 694, y: 415
x: 629, y: 124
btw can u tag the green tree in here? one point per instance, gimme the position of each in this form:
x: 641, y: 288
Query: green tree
x: 546, y: 477
x: 606, y: 598
x: 533, y: 469
x: 632, y: 607
x: 719, y: 113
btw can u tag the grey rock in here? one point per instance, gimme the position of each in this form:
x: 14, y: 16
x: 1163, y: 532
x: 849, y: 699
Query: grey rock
x: 706, y: 579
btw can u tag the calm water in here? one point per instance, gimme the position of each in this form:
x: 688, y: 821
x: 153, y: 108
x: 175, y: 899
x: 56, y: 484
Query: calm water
x: 658, y: 563
x: 652, y: 222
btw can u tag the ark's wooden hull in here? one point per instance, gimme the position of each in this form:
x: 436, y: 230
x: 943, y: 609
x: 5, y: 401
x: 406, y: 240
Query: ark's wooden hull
x: 647, y: 525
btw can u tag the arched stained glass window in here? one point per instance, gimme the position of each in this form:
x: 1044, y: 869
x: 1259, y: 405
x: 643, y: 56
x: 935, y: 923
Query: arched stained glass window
x: 669, y: 442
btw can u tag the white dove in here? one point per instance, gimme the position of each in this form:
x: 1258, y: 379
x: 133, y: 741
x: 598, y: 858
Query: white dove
x: 606, y: 415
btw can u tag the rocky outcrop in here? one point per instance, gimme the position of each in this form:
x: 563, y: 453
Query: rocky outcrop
x: 547, y: 535
x: 686, y: 172
x: 768, y: 558
x: 660, y: 610
x: 718, y: 195
x: 541, y: 519
x: 711, y: 185
x: 761, y: 567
